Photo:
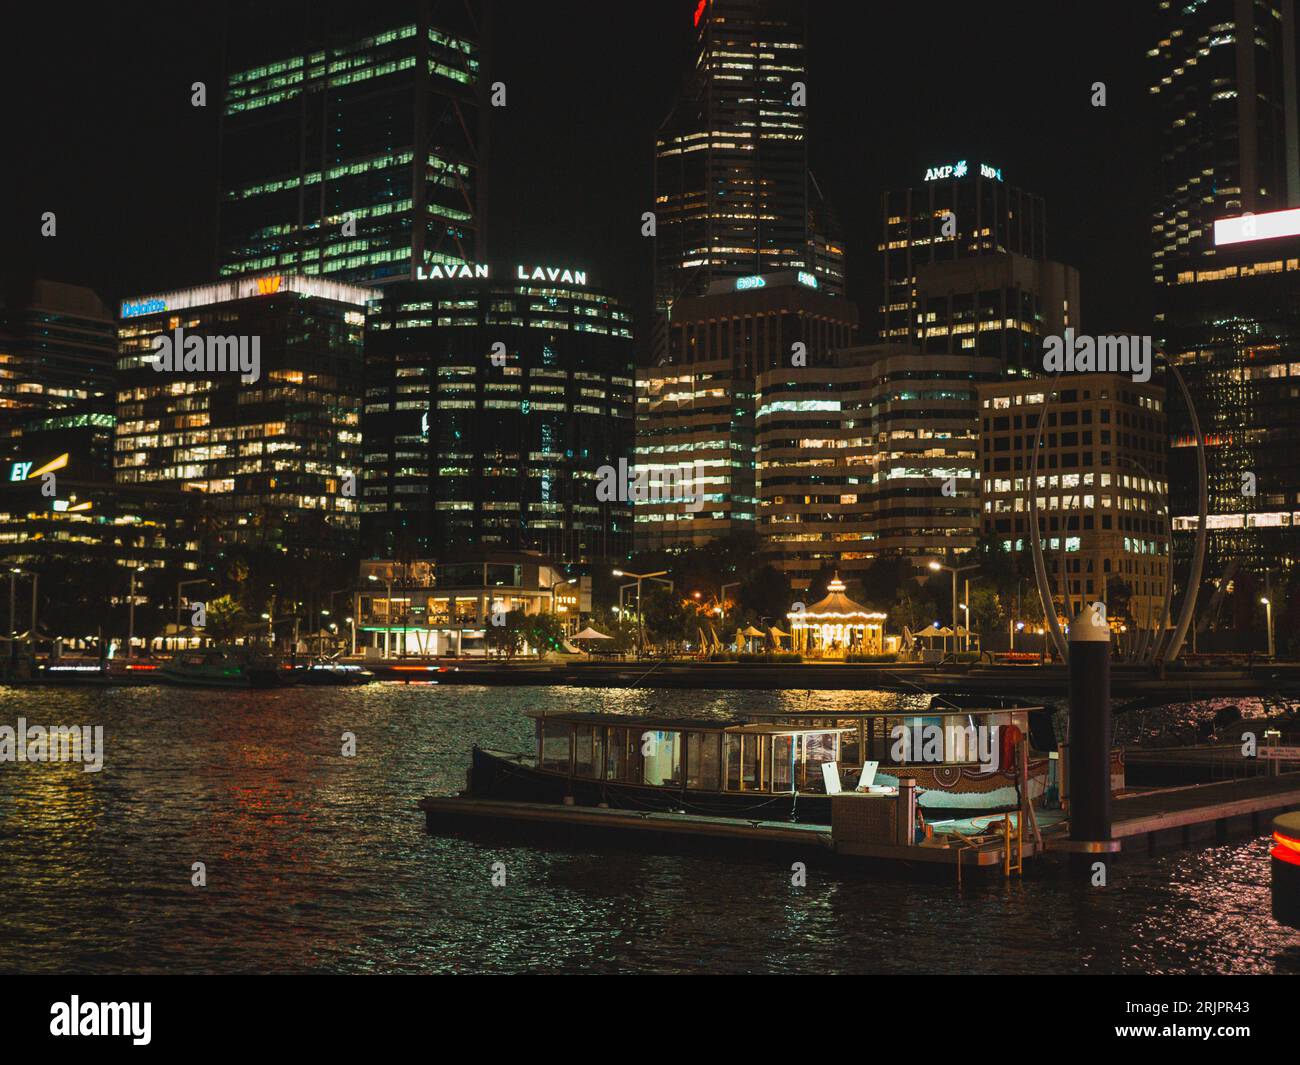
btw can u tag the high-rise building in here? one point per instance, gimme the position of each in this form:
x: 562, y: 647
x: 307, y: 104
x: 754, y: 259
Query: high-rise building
x: 1223, y: 79
x: 999, y: 306
x: 961, y: 210
x: 248, y: 392
x: 1226, y: 263
x: 733, y: 193
x: 1100, y: 481
x: 697, y: 409
x: 494, y: 397
x: 58, y: 353
x: 350, y: 141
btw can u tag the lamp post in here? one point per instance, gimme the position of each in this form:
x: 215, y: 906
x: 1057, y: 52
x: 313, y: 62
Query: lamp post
x: 130, y: 625
x: 1268, y: 609
x: 639, y: 577
x: 936, y: 566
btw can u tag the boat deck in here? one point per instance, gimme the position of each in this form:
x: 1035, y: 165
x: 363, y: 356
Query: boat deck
x: 1178, y: 815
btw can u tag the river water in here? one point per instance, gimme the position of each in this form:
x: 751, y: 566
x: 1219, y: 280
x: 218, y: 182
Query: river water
x: 316, y: 862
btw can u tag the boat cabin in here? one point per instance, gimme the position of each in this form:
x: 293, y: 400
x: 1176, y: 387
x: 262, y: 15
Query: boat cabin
x: 776, y: 752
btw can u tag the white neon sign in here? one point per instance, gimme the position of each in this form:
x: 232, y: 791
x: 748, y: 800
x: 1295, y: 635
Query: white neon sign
x: 1250, y: 227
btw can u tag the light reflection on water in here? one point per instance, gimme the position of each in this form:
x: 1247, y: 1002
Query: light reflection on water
x: 320, y: 863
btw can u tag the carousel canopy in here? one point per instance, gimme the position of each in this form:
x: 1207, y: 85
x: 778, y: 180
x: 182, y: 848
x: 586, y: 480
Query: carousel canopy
x: 836, y: 607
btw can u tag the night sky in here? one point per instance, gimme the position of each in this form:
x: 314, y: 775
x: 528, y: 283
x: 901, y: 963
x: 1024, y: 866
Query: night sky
x: 98, y: 127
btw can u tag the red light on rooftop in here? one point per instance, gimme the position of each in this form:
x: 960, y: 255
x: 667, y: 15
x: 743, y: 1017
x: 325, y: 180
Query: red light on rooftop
x: 699, y: 11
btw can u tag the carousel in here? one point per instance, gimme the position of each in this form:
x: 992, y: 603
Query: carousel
x: 836, y: 626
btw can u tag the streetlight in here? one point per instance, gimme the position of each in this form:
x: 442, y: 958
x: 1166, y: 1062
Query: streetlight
x: 1268, y: 609
x: 722, y: 597
x: 936, y: 566
x: 561, y: 584
x: 130, y: 626
x: 639, y: 577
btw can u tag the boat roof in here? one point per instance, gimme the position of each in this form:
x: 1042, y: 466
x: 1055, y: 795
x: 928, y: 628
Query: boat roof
x: 677, y: 724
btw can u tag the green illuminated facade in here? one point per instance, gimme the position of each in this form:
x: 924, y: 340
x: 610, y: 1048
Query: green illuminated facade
x: 349, y: 139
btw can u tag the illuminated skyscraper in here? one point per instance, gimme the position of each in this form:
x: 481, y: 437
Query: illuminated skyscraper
x: 349, y: 138
x: 960, y: 210
x: 271, y: 451
x: 493, y: 399
x: 733, y: 192
x: 1223, y: 81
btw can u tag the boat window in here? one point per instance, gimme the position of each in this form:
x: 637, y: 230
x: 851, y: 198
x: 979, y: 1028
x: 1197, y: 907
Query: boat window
x: 616, y: 755
x: 704, y: 760
x: 818, y: 747
x: 556, y: 744
x: 663, y: 757
x: 783, y: 748
x: 749, y: 762
x: 732, y: 744
x: 584, y: 763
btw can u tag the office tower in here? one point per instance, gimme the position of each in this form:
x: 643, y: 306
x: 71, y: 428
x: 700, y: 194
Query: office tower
x: 493, y: 401
x: 58, y: 349
x: 1223, y: 83
x: 350, y: 140
x: 960, y: 210
x: 733, y: 192
x: 1000, y: 306
x: 1234, y: 332
x: 254, y: 404
x: 696, y: 410
x: 1100, y: 481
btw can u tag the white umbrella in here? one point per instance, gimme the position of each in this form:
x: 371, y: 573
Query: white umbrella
x: 590, y: 634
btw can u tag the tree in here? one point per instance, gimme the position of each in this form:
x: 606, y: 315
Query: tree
x: 225, y: 619
x: 544, y: 632
x: 507, y: 638
x: 766, y: 593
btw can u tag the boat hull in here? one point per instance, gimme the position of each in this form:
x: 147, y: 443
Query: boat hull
x: 494, y: 775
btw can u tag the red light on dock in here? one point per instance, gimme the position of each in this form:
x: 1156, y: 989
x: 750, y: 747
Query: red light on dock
x: 1287, y: 849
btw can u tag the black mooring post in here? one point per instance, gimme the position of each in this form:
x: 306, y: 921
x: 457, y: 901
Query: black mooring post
x: 1090, y: 731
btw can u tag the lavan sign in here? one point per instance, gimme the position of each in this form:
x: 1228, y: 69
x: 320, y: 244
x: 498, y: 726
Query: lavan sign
x: 480, y: 271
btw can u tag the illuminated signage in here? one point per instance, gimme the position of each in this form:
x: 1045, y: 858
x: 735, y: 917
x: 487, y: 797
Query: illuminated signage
x: 446, y: 271
x: 245, y: 288
x: 22, y: 471
x: 478, y: 271
x: 960, y: 169
x: 743, y: 283
x: 551, y: 273
x: 1250, y: 227
x: 805, y: 278
x: 134, y: 310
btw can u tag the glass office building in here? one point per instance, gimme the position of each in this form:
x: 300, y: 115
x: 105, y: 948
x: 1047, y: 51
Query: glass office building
x: 350, y: 138
x: 274, y: 459
x: 733, y: 192
x: 492, y: 402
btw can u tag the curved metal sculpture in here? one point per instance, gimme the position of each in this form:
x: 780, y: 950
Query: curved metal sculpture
x: 1198, y: 556
x: 1040, y: 567
x: 1150, y: 646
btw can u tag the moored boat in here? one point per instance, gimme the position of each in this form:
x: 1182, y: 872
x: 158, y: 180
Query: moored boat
x: 964, y: 760
x: 222, y: 667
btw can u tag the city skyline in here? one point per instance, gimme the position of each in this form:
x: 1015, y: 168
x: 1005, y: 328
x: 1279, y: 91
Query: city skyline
x: 559, y: 194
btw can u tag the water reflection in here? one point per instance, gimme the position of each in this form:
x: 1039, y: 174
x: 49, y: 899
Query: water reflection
x: 320, y: 863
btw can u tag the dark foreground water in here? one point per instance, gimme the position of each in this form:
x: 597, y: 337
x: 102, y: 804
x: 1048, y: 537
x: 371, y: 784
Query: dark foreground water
x: 320, y: 863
